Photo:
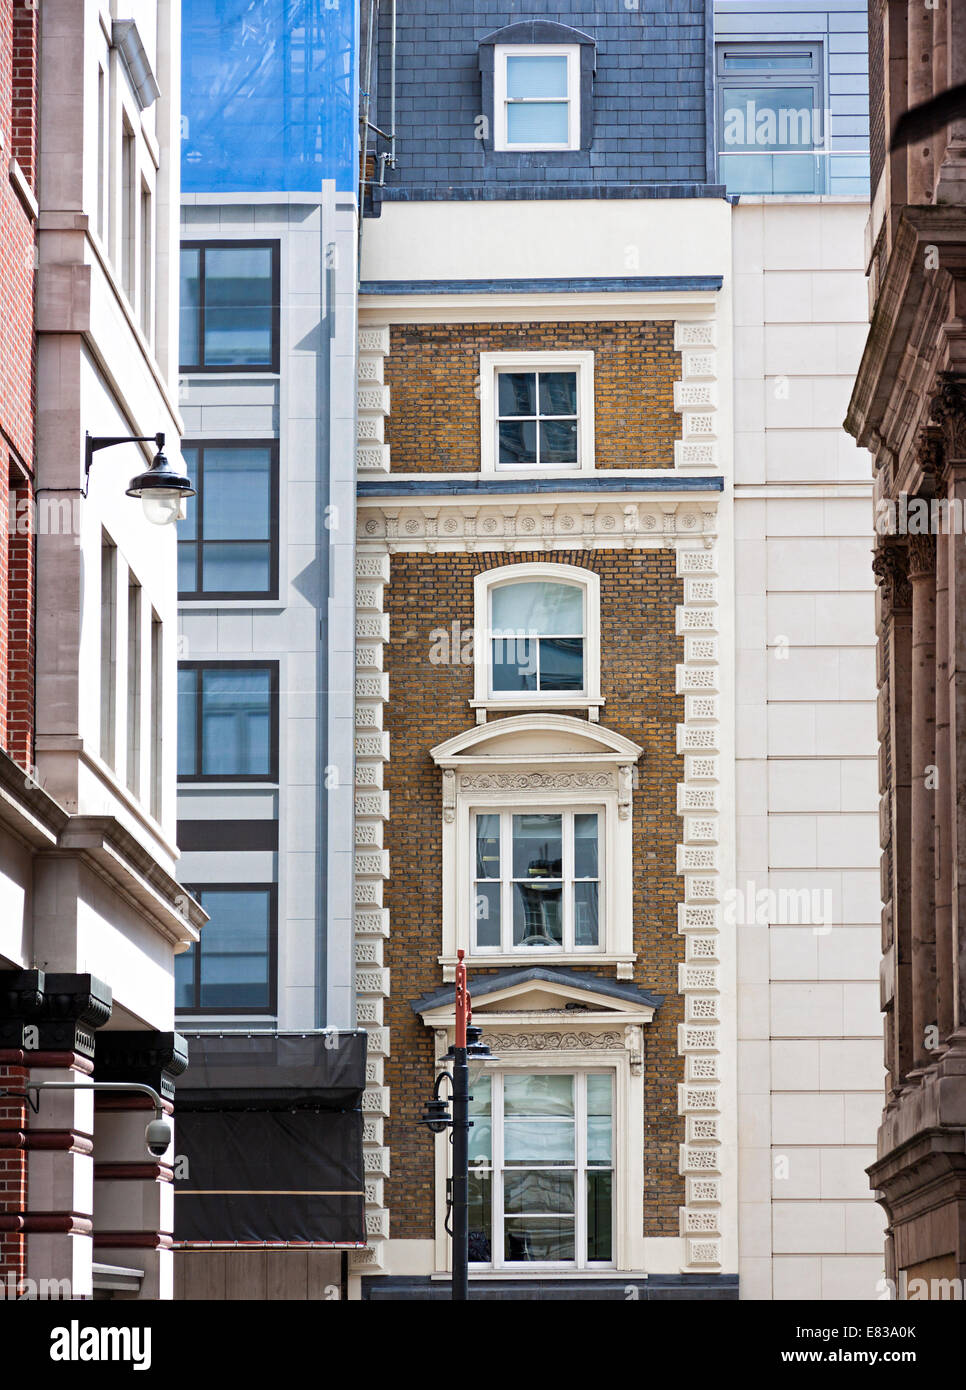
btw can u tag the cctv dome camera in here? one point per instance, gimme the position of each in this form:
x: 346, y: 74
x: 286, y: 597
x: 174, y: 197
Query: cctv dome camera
x: 157, y: 1136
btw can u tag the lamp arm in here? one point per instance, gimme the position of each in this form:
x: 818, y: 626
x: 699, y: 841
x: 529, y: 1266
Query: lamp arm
x: 94, y: 442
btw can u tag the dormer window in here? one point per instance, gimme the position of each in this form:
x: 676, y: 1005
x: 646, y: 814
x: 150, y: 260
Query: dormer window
x: 537, y: 97
x: 537, y: 89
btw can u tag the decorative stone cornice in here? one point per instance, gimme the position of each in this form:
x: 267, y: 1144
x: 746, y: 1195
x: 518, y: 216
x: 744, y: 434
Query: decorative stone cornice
x: 74, y: 1006
x: 890, y: 399
x: 21, y: 999
x: 61, y: 1012
x: 553, y: 1042
x: 581, y: 522
x: 518, y: 781
x: 155, y: 1059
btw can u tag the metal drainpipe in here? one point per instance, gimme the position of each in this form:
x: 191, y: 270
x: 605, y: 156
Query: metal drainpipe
x: 392, y: 91
x: 389, y: 157
x: 365, y: 140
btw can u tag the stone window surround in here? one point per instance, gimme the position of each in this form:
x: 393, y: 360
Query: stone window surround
x: 607, y: 1037
x: 550, y: 776
x: 491, y: 363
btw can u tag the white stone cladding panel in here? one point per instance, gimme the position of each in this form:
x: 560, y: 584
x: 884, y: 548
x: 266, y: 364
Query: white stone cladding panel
x: 803, y: 572
x: 699, y: 740
x: 372, y: 978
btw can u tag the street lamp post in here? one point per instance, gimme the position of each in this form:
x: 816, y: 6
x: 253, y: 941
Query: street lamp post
x: 466, y: 1044
x: 461, y: 1140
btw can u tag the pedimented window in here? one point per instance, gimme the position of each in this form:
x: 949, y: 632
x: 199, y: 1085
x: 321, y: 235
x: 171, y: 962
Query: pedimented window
x: 537, y: 844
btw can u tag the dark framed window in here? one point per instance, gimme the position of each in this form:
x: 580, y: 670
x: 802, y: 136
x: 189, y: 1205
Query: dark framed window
x: 229, y: 306
x: 227, y: 721
x: 233, y: 969
x: 537, y: 417
x: 228, y: 542
x: 770, y: 118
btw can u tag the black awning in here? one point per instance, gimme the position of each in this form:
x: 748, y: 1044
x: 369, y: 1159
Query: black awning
x: 269, y: 1176
x: 288, y: 1070
x: 268, y: 1138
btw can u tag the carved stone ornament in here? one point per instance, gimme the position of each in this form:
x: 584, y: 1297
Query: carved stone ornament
x: 889, y: 564
x: 552, y: 1042
x: 948, y: 407
x: 930, y: 455
x: 625, y: 783
x: 634, y: 1046
x: 524, y: 781
x: 449, y: 795
x: 922, y: 556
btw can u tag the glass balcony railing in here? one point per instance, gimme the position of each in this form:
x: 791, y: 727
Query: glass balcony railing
x: 843, y: 173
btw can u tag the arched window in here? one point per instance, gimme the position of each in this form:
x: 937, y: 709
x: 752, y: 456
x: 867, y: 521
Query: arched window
x: 538, y: 641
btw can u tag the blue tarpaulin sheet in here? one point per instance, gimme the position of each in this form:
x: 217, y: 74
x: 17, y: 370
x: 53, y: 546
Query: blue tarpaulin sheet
x: 268, y: 94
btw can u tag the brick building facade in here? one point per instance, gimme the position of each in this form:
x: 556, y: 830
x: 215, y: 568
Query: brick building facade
x: 635, y: 368
x: 18, y: 208
x: 541, y: 419
x: 639, y: 649
x: 435, y: 533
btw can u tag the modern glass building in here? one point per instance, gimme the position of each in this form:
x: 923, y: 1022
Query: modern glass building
x: 265, y: 750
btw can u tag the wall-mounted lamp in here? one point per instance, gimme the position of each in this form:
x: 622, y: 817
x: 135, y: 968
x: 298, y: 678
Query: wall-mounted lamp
x: 160, y: 489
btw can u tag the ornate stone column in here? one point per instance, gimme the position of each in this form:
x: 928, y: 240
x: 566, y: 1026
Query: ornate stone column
x: 933, y: 465
x: 895, y: 638
x: 949, y: 409
x: 922, y: 578
x: 945, y: 555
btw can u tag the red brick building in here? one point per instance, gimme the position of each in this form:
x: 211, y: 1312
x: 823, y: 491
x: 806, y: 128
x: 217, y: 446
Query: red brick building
x: 18, y: 208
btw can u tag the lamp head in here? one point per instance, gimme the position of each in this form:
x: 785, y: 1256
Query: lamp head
x: 475, y: 1047
x: 436, y: 1116
x: 161, y: 489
